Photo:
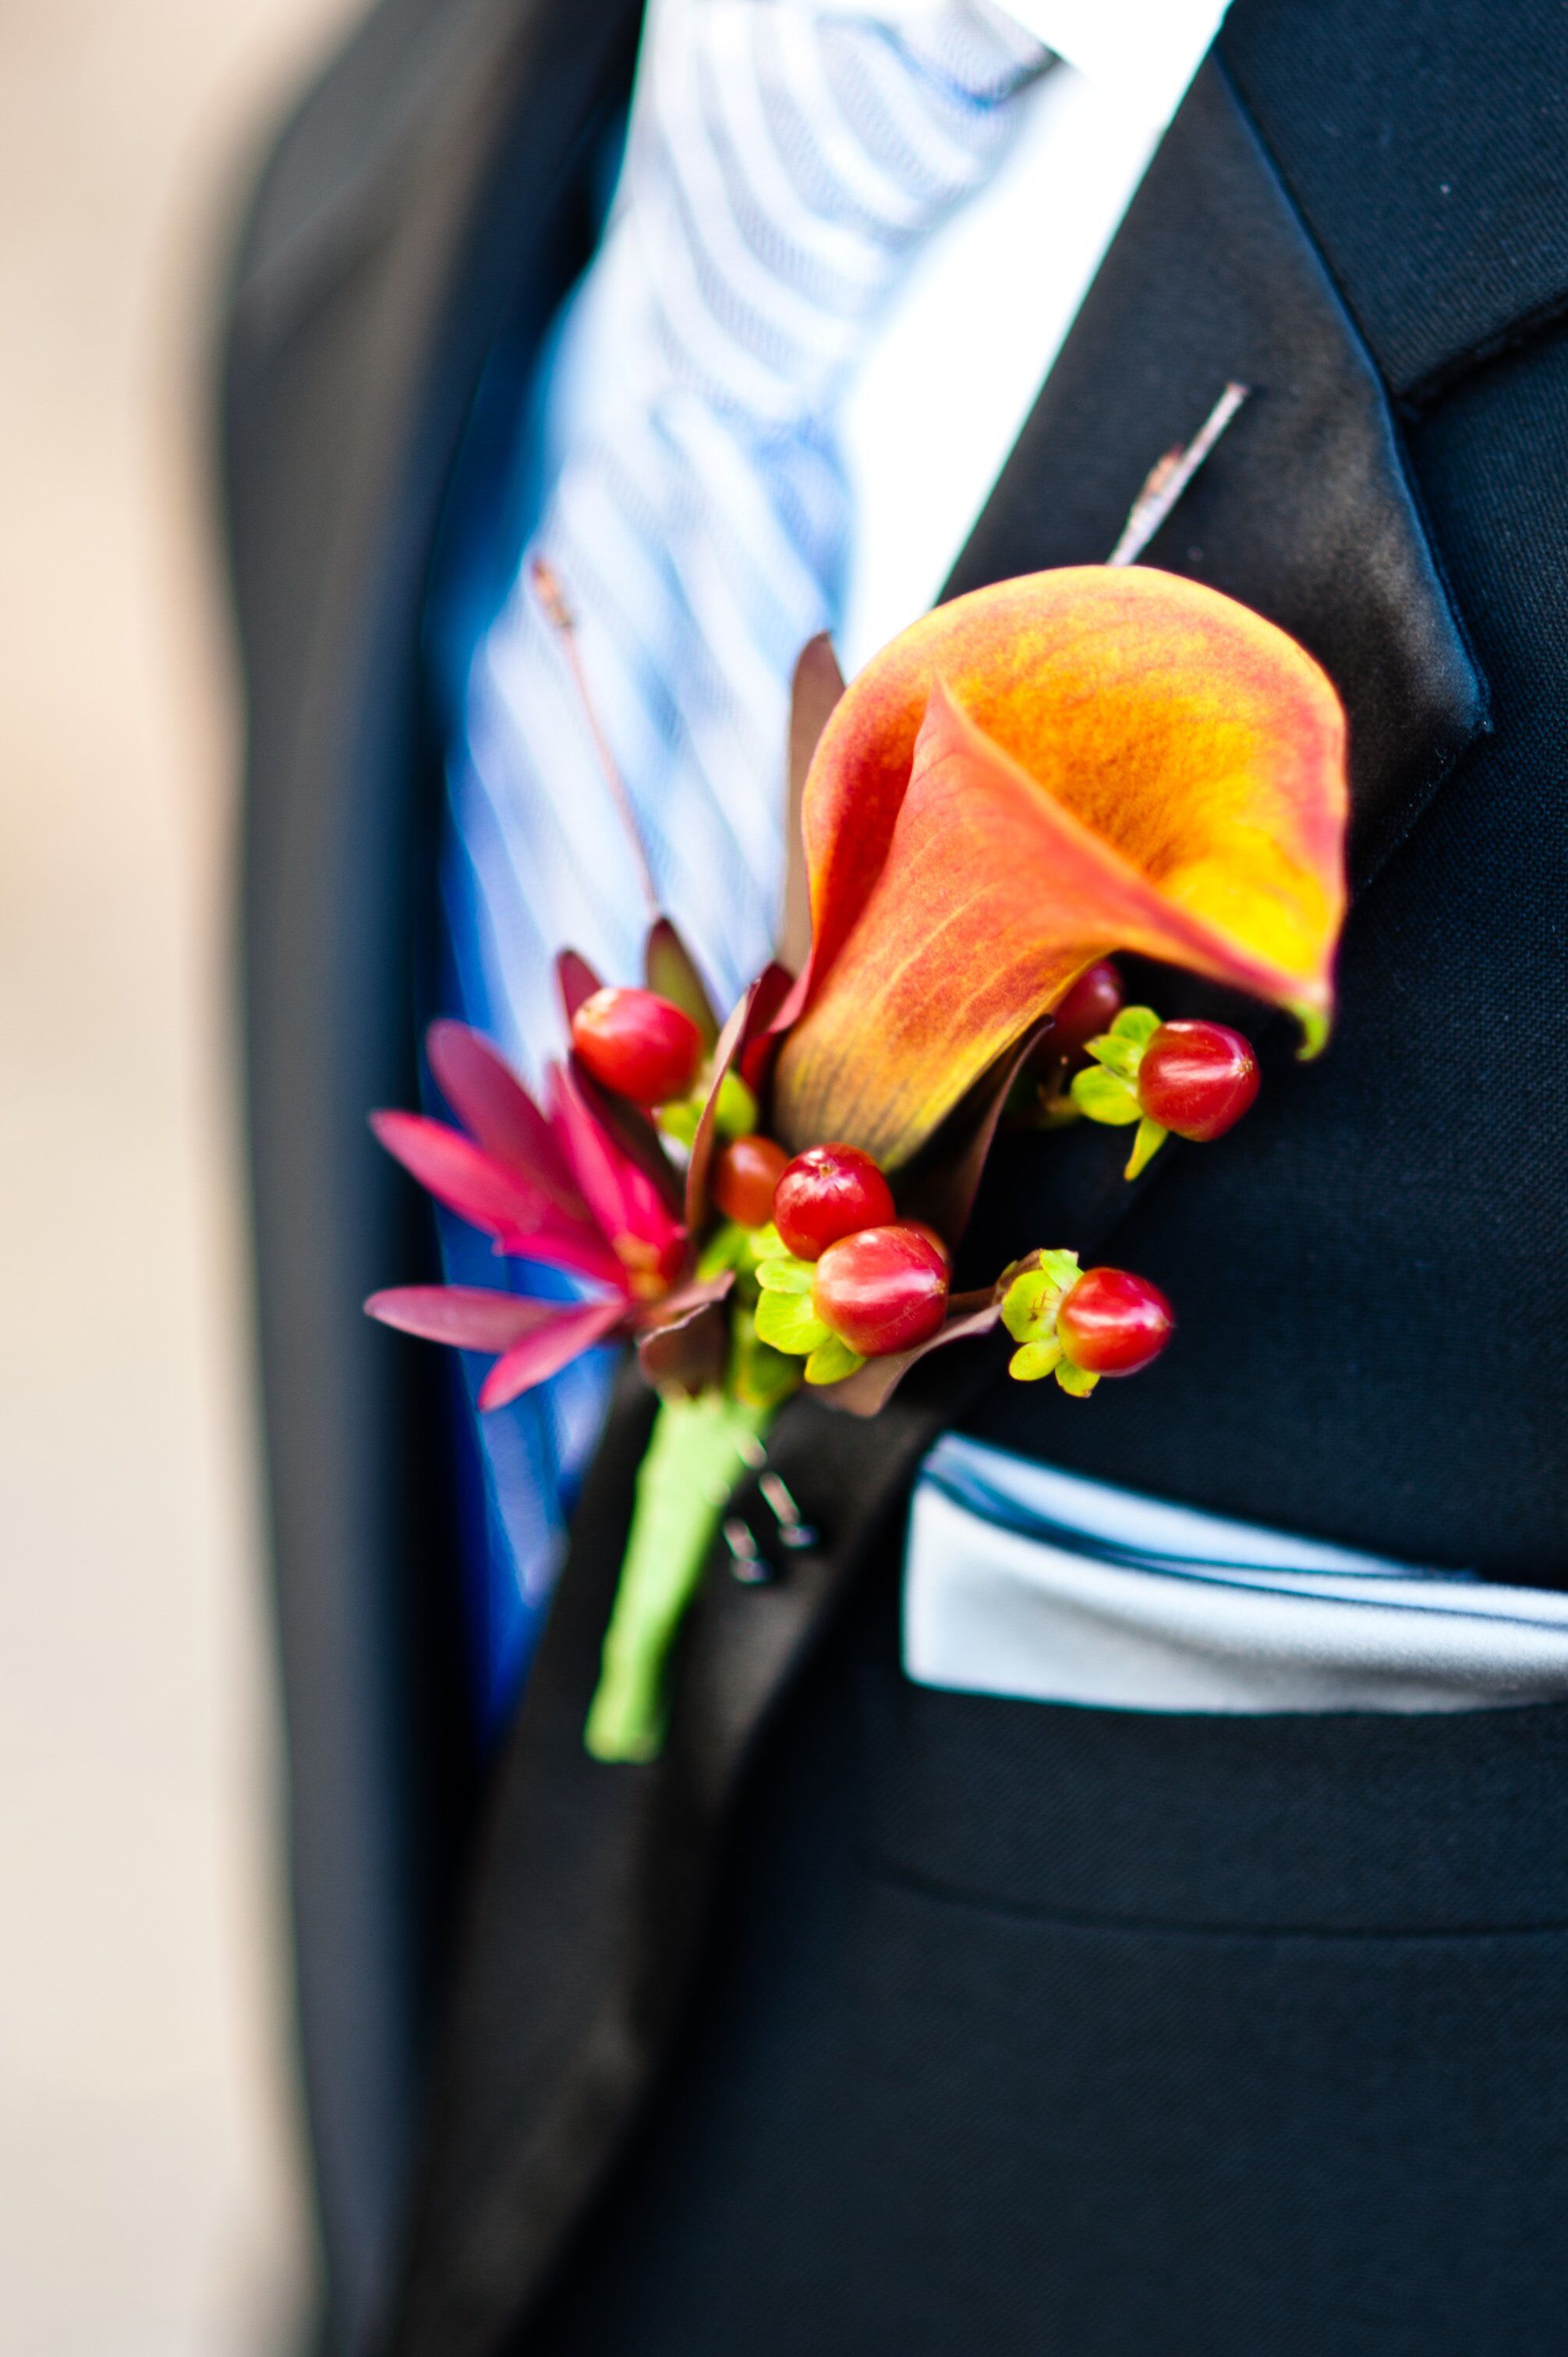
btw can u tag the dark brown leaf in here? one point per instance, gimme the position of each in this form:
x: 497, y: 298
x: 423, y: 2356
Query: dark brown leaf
x: 819, y: 683
x: 670, y: 968
x: 941, y: 1183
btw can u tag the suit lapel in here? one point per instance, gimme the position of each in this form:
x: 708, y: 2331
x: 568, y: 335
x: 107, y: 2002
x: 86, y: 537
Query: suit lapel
x: 1305, y: 510
x: 591, y: 1892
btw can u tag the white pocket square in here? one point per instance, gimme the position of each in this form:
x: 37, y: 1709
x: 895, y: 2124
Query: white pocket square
x: 1020, y: 1580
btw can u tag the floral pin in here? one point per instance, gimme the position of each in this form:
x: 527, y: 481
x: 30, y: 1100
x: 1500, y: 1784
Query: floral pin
x: 1031, y: 777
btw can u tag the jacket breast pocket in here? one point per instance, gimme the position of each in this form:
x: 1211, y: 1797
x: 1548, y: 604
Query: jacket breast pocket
x: 1225, y: 2029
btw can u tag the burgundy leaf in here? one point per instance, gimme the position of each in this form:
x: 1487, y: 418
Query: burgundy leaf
x: 776, y: 989
x: 576, y: 980
x: 871, y: 1386
x: 689, y: 1357
x: 701, y: 1154
x: 817, y: 685
x: 670, y: 968
x: 941, y: 1185
x: 686, y: 1302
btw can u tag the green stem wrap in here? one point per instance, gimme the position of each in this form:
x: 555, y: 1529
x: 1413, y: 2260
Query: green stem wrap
x: 699, y: 1450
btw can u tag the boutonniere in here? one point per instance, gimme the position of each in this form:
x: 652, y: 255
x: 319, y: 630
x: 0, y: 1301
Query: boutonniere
x: 1028, y: 779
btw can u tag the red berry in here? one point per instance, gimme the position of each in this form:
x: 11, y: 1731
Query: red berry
x: 1091, y: 1006
x: 883, y: 1288
x: 828, y: 1192
x: 1112, y: 1323
x: 638, y: 1044
x: 1197, y: 1079
x: 938, y: 1243
x: 746, y: 1172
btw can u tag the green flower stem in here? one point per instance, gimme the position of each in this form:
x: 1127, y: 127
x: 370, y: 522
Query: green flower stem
x: 699, y: 1450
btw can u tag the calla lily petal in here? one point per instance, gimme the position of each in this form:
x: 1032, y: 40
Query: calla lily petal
x: 817, y: 687
x: 549, y: 1348
x: 1108, y: 759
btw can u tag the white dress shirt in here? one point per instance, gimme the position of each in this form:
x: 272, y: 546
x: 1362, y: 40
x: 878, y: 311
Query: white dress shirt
x: 960, y: 354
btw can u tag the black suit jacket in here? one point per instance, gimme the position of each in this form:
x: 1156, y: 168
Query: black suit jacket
x: 788, y: 2039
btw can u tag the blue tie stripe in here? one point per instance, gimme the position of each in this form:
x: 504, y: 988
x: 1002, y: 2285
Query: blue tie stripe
x: 784, y: 160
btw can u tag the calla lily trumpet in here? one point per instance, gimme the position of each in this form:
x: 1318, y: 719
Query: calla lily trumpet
x: 1075, y: 762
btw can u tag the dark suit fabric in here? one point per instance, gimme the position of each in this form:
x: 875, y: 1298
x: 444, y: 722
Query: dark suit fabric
x: 944, y: 2024
x: 1031, y: 2029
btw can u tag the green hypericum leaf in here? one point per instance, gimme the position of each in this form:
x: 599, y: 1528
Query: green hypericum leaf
x: 1136, y: 1023
x: 789, y: 1322
x: 1120, y: 1056
x: 699, y: 1450
x: 1145, y: 1146
x: 724, y: 1249
x: 1029, y: 1304
x: 1033, y: 1361
x: 784, y: 1274
x: 679, y: 1121
x: 734, y: 1116
x: 1075, y: 1380
x: 760, y: 1376
x: 1105, y: 1098
x: 831, y: 1361
x: 766, y: 1243
x: 1061, y: 1267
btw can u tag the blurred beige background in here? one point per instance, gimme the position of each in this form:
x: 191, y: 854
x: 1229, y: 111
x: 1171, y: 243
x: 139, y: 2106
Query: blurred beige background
x: 148, y: 2201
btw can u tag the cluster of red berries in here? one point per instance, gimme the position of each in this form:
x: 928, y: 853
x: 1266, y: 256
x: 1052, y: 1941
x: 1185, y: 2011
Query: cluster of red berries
x: 877, y: 1283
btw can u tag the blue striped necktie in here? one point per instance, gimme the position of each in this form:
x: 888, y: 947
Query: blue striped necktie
x: 785, y: 160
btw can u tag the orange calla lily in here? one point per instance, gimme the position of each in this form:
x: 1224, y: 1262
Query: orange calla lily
x: 1057, y: 767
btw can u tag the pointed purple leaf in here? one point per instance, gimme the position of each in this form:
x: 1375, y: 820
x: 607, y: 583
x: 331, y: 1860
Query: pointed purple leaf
x: 493, y: 1103
x: 516, y: 1211
x: 469, y: 1316
x: 633, y: 1131
x: 544, y: 1352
